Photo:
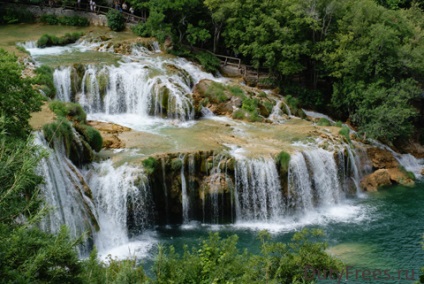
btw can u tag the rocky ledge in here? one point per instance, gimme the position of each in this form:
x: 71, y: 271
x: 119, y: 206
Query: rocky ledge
x: 387, y: 171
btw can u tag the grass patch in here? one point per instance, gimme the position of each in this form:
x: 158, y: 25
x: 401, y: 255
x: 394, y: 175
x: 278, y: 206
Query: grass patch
x: 239, y: 114
x: 323, y: 122
x: 345, y: 131
x: 216, y: 93
x: 339, y: 124
x: 237, y: 91
x: 71, y: 111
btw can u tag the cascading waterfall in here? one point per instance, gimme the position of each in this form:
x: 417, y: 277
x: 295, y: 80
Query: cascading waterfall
x: 66, y: 192
x: 324, y: 176
x: 258, y: 195
x: 61, y: 79
x: 185, y: 201
x: 123, y: 201
x: 313, y: 180
x: 151, y: 87
x: 299, y: 185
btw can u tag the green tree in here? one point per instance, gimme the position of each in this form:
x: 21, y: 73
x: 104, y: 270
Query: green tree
x: 17, y: 97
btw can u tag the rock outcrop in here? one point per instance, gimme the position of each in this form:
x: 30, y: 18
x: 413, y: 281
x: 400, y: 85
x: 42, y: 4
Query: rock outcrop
x: 387, y: 171
x: 110, y: 132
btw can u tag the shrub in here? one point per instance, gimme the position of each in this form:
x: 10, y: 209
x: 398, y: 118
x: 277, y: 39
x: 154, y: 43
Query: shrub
x: 44, y: 78
x: 283, y: 160
x: 51, y: 19
x: 115, y: 20
x: 208, y: 61
x: 250, y: 105
x: 236, y: 91
x: 61, y: 131
x: 339, y: 124
x: 71, y: 111
x: 176, y: 164
x: 150, y: 165
x: 216, y: 93
x: 14, y: 16
x: 47, y: 40
x: 239, y: 114
x: 91, y: 135
x: 324, y: 122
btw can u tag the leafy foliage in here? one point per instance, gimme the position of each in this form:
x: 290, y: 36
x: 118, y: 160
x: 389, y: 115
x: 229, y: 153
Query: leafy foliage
x: 283, y: 160
x: 14, y: 16
x: 72, y: 111
x: 44, y: 80
x: 52, y: 19
x: 115, y: 20
x: 17, y: 98
x: 47, y: 40
x: 91, y: 135
x: 150, y: 165
x: 219, y: 260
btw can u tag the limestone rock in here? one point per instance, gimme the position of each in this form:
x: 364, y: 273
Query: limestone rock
x: 400, y: 177
x: 373, y: 181
x: 422, y: 172
x: 381, y: 159
x: 110, y: 133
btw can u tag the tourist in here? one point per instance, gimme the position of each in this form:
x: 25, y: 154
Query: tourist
x: 124, y: 6
x: 132, y: 10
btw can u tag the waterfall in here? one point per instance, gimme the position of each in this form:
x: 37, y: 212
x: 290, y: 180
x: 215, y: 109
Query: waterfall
x: 258, y: 192
x: 123, y: 201
x: 324, y: 176
x: 62, y: 81
x: 299, y: 184
x: 66, y: 192
x: 165, y: 190
x: 184, y: 196
x: 410, y: 163
x: 276, y: 113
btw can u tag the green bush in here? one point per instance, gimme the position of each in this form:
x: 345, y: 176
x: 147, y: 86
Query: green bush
x: 71, y: 111
x: 216, y: 92
x: 150, y: 165
x: 208, y: 61
x: 91, y: 135
x: 49, y: 19
x: 61, y: 131
x: 176, y: 164
x: 239, y: 114
x: 283, y: 160
x: 324, y: 122
x: 14, y: 16
x: 115, y: 20
x: 44, y: 78
x: 47, y: 40
x: 250, y: 105
x: 237, y: 91
x: 339, y: 123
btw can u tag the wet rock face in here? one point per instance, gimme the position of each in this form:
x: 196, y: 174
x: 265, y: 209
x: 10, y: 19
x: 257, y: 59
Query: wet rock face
x: 375, y: 180
x: 388, y: 171
x: 381, y: 159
